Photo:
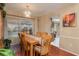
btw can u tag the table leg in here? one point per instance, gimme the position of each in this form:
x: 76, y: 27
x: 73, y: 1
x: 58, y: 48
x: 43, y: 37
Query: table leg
x: 31, y: 50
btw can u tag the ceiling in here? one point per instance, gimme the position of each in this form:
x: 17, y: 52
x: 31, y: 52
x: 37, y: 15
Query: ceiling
x: 37, y: 9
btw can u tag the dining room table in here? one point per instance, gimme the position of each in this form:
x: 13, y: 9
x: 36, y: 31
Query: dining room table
x: 33, y: 40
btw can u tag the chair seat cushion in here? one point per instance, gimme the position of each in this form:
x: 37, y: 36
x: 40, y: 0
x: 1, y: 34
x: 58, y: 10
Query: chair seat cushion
x: 41, y: 50
x: 38, y: 48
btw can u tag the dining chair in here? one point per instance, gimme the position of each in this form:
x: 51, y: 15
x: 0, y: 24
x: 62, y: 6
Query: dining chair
x: 43, y: 49
x: 39, y: 34
x: 23, y: 42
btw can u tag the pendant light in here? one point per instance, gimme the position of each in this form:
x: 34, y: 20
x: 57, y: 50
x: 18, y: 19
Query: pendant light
x: 27, y: 12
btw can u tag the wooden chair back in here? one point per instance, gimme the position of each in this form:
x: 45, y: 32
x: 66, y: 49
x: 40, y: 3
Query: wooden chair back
x: 46, y: 45
x: 21, y: 43
x: 39, y: 34
x: 24, y: 41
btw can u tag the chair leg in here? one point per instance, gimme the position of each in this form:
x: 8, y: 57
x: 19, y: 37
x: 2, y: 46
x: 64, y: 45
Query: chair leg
x: 27, y: 53
x: 47, y: 54
x: 37, y: 53
x: 24, y: 52
x: 34, y: 53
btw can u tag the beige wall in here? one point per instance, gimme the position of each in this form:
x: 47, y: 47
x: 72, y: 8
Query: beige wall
x: 45, y: 23
x: 69, y: 36
x: 35, y: 25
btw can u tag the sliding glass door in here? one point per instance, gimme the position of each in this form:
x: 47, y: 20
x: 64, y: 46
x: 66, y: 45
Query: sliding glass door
x: 16, y: 25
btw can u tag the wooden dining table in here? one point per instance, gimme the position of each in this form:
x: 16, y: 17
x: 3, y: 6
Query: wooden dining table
x: 32, y: 42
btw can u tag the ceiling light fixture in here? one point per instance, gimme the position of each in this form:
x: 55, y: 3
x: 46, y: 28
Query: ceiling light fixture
x: 27, y: 12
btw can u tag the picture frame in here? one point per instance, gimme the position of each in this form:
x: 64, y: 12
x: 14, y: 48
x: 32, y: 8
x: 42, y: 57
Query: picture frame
x: 69, y: 20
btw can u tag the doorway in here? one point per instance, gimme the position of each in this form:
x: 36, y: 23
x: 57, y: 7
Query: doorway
x: 55, y: 29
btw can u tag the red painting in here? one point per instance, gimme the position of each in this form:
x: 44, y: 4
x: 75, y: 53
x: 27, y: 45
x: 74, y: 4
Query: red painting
x: 69, y: 20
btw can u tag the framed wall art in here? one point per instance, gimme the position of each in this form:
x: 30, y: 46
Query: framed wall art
x: 69, y: 20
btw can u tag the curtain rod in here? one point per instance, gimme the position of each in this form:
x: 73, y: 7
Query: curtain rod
x: 18, y: 16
